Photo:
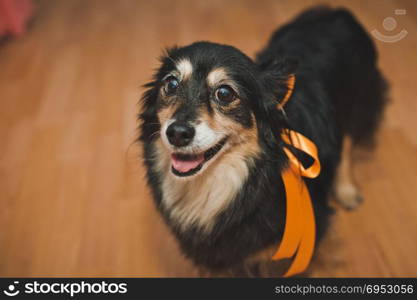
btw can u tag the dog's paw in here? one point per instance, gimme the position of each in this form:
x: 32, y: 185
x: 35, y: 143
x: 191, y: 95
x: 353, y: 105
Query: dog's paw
x: 348, y: 196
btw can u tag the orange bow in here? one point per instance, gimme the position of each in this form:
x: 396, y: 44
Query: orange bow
x: 300, y: 227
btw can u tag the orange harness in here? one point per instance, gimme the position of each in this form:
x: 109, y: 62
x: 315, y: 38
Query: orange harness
x: 300, y: 228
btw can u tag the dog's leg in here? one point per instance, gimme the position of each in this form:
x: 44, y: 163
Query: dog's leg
x: 345, y: 190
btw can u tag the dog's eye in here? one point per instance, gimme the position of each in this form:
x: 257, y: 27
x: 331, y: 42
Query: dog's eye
x: 171, y: 85
x: 225, y: 94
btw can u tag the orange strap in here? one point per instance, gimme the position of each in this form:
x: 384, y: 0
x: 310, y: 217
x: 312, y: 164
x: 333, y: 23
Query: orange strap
x: 300, y: 228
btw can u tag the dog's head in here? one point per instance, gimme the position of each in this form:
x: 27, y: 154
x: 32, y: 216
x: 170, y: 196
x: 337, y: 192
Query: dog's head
x: 207, y: 100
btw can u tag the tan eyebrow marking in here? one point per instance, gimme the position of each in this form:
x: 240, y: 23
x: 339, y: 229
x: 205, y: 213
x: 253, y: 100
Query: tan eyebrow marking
x: 185, y: 68
x: 216, y: 76
x: 219, y: 76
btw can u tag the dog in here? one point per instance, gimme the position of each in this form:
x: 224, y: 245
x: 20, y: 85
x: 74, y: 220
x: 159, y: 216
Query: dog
x: 211, y: 135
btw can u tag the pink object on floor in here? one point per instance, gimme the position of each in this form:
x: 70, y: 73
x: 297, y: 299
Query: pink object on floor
x: 14, y: 15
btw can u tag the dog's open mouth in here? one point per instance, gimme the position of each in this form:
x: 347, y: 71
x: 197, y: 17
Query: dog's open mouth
x: 189, y: 164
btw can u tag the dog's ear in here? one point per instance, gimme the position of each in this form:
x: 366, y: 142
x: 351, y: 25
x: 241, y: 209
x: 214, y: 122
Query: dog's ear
x: 149, y: 123
x: 275, y: 75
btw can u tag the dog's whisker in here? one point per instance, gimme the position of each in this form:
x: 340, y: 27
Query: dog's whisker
x: 155, y: 133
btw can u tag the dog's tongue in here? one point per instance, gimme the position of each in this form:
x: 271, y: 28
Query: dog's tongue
x: 184, y: 165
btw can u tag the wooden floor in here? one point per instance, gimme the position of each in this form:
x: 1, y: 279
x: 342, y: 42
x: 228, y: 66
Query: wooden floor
x: 72, y: 195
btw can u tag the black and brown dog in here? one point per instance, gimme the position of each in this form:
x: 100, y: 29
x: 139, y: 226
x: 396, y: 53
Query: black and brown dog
x: 211, y: 133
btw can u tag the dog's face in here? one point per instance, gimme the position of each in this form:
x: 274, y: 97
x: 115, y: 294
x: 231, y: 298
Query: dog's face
x: 206, y: 98
x: 207, y: 116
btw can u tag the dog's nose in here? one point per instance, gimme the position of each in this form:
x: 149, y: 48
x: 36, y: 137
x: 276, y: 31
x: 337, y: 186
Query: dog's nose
x: 180, y: 134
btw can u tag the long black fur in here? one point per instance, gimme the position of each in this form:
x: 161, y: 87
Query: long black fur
x: 338, y: 92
